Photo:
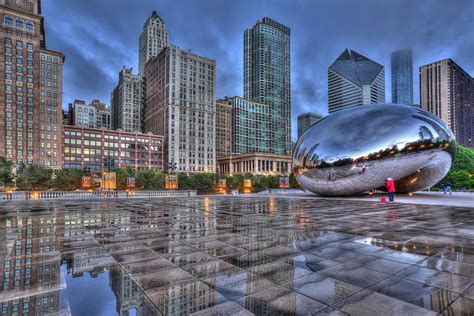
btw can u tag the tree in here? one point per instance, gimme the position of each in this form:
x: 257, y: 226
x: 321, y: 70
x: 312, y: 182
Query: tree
x: 149, y: 179
x: 461, y: 174
x: 6, y: 172
x: 34, y: 178
x: 67, y: 179
x: 121, y: 175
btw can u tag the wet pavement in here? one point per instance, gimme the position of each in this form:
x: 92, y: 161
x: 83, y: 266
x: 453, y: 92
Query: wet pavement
x: 234, y: 255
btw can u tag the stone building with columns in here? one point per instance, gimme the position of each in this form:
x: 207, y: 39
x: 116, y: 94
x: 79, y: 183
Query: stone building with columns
x: 254, y: 163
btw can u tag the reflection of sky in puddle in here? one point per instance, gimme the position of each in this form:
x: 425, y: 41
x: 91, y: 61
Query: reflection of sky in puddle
x: 87, y: 295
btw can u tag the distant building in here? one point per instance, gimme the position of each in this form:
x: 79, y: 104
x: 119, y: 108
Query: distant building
x: 267, y: 77
x: 153, y: 39
x: 127, y: 102
x: 402, y: 77
x: 99, y: 150
x: 306, y: 120
x: 223, y: 128
x: 447, y: 91
x: 353, y: 80
x: 181, y: 105
x: 93, y: 115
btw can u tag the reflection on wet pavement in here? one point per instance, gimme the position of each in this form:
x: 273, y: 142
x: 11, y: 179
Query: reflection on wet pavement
x: 232, y: 255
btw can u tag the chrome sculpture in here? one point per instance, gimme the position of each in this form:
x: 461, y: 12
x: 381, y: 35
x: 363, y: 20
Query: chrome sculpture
x: 355, y: 150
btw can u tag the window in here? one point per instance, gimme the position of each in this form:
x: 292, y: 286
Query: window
x: 8, y: 20
x: 29, y: 26
x: 8, y: 41
x: 19, y: 23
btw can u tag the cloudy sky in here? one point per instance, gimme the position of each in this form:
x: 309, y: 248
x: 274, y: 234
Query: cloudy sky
x: 98, y: 37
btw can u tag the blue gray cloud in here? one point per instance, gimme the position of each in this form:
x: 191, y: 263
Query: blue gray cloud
x: 98, y: 37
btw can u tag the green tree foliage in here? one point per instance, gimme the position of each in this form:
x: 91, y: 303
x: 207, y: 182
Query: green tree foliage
x: 67, y: 179
x: 121, y: 175
x: 199, y: 181
x: 461, y: 174
x: 6, y: 172
x: 149, y: 179
x: 34, y: 178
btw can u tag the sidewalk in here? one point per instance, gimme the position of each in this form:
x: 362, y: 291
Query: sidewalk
x: 461, y: 199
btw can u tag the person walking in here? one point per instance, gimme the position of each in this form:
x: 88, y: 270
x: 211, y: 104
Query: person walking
x: 447, y: 188
x: 391, y: 189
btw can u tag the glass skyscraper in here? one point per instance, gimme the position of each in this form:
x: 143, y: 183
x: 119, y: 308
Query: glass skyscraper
x: 354, y: 79
x: 402, y: 77
x: 251, y: 124
x: 267, y: 77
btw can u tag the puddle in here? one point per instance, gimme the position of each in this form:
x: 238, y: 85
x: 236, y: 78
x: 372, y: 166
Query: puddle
x: 88, y: 294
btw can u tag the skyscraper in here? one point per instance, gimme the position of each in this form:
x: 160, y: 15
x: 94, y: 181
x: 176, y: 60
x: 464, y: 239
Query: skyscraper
x: 251, y: 127
x: 223, y: 128
x: 447, y: 91
x: 353, y: 80
x: 402, y: 77
x: 267, y: 76
x: 181, y: 105
x: 152, y: 40
x: 127, y: 102
x: 306, y: 120
x: 30, y: 87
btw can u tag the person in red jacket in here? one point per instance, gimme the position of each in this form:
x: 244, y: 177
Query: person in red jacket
x: 391, y: 189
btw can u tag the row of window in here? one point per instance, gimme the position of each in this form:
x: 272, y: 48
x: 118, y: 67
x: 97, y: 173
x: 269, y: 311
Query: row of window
x: 19, y: 23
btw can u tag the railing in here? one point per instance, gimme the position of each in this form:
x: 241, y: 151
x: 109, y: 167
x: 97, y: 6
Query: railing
x: 70, y: 195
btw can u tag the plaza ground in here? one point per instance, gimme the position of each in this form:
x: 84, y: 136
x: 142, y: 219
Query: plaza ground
x: 462, y: 199
x: 290, y: 255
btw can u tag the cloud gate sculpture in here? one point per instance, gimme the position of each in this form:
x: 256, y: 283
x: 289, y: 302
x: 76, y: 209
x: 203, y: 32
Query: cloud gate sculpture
x: 355, y: 150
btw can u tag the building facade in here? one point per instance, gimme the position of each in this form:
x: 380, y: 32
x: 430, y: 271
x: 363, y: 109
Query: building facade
x: 153, y: 39
x: 267, y: 76
x: 103, y: 118
x: 99, y: 150
x: 447, y: 91
x: 254, y: 163
x: 353, y: 80
x: 30, y: 87
x: 127, y: 102
x: 51, y: 91
x: 181, y: 105
x: 306, y: 120
x: 402, y: 77
x: 252, y: 128
x: 93, y: 115
x: 223, y: 128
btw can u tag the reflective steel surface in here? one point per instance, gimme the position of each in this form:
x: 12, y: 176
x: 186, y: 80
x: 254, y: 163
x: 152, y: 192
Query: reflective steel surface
x: 357, y: 149
x: 233, y: 255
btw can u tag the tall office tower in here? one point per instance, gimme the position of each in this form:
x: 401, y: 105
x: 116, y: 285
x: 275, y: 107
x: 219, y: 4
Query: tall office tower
x: 30, y: 87
x: 402, y: 77
x: 306, y: 120
x: 447, y: 91
x: 94, y: 115
x: 51, y: 92
x: 267, y: 76
x: 181, y: 106
x: 152, y: 40
x: 127, y: 102
x: 353, y: 80
x: 223, y: 128
x: 252, y: 127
